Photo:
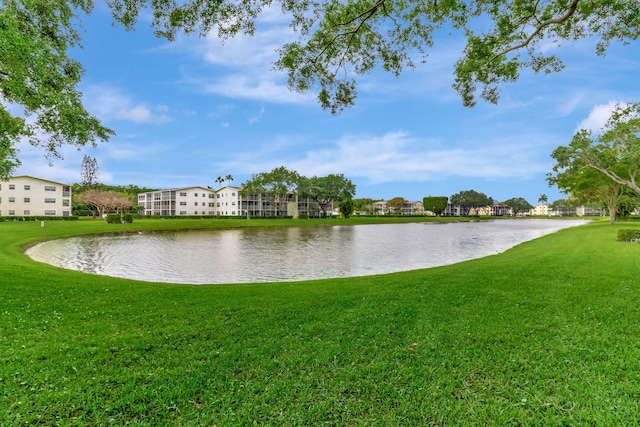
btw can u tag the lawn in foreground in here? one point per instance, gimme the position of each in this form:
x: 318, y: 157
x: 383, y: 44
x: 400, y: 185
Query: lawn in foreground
x: 547, y: 333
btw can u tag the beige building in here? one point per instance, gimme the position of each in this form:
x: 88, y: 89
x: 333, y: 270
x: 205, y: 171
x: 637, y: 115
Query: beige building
x: 30, y: 196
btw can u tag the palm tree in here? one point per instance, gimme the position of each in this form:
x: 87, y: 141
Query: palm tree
x: 220, y: 180
x: 543, y: 198
x: 229, y: 178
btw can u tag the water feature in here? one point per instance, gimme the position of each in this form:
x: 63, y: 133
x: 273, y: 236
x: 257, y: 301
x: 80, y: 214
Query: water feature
x: 291, y: 253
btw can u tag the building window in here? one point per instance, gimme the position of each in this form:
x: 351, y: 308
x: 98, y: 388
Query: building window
x: 183, y: 212
x: 196, y: 194
x: 233, y: 194
x: 27, y: 187
x: 49, y: 188
x: 12, y: 199
x: 12, y: 187
x: 195, y: 203
x: 11, y: 213
x: 183, y: 203
x: 50, y: 213
x: 217, y: 196
x: 49, y: 200
x: 27, y: 200
x: 65, y: 202
x: 27, y: 213
x: 183, y: 194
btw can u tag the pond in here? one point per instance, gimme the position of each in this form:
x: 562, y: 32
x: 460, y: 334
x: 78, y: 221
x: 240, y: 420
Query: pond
x: 252, y: 255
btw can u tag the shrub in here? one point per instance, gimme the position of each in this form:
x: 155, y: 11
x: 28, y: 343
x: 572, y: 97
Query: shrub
x: 119, y: 219
x: 113, y: 218
x: 629, y: 234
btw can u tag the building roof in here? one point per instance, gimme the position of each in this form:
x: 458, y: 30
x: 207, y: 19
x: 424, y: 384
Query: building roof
x: 35, y: 177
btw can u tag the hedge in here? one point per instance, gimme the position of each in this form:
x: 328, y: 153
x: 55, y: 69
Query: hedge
x: 629, y: 234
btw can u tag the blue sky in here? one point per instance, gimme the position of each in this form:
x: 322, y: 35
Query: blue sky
x: 189, y: 111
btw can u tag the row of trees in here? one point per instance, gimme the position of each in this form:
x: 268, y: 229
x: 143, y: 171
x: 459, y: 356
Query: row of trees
x: 602, y: 167
x: 280, y: 183
x: 467, y: 200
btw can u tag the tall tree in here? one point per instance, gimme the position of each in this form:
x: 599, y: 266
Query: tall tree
x: 470, y: 199
x: 341, y: 40
x: 517, y: 205
x: 587, y: 185
x: 220, y: 180
x: 89, y: 171
x: 435, y: 204
x: 346, y: 207
x: 563, y: 206
x: 543, y: 198
x: 396, y: 204
x: 38, y: 77
x: 614, y: 151
x: 228, y: 178
x: 327, y: 189
x: 278, y: 184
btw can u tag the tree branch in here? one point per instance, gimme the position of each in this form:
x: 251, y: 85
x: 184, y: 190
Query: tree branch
x: 541, y: 26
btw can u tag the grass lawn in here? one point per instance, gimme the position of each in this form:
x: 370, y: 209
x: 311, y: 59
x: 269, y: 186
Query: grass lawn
x: 545, y: 334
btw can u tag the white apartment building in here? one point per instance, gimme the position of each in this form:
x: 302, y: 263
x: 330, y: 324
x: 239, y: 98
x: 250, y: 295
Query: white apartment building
x: 187, y: 201
x: 226, y: 201
x: 30, y: 196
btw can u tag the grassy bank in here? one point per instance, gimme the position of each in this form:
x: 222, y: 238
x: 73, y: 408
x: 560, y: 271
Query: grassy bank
x: 547, y: 333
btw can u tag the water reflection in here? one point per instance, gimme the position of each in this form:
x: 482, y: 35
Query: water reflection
x: 289, y: 254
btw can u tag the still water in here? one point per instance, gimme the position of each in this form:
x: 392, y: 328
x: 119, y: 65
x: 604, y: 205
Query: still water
x: 290, y: 254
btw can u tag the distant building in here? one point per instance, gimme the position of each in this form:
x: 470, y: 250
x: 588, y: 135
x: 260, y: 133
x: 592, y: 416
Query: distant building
x: 30, y: 196
x: 187, y: 201
x: 226, y: 201
x: 540, y: 210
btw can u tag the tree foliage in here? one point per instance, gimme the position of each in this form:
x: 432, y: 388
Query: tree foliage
x: 613, y: 152
x: 470, y: 199
x: 518, y: 205
x: 277, y: 184
x: 105, y: 201
x: 340, y: 40
x: 39, y: 99
x: 346, y: 207
x: 435, y: 204
x: 396, y: 204
x: 586, y: 186
x: 89, y: 171
x: 327, y: 189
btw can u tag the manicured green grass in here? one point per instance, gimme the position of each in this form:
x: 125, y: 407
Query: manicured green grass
x: 547, y: 333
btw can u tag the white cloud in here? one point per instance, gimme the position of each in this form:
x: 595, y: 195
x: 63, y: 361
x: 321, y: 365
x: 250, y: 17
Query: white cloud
x: 111, y: 104
x: 597, y: 117
x: 258, y: 116
x: 398, y: 157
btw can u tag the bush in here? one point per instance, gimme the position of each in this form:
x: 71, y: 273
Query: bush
x: 629, y: 234
x: 113, y: 218
x: 119, y: 219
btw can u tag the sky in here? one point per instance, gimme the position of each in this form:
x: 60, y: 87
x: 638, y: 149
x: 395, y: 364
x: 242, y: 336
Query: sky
x: 188, y: 111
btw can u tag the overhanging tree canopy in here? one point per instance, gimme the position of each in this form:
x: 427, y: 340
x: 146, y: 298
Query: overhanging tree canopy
x: 341, y: 39
x: 39, y: 99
